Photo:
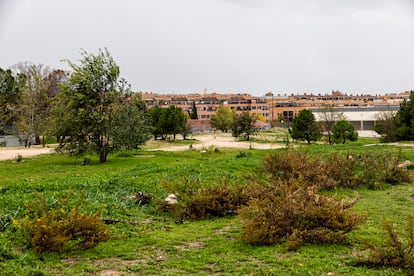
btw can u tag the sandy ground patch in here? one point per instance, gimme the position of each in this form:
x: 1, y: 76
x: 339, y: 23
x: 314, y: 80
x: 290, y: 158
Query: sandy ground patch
x: 12, y: 152
x: 205, y: 141
x: 221, y: 142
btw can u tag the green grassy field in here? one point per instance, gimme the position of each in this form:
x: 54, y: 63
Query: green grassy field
x: 154, y: 244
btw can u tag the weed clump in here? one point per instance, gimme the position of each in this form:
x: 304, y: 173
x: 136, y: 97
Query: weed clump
x: 60, y: 226
x: 395, y: 252
x: 85, y: 161
x: 242, y: 154
x: 19, y: 158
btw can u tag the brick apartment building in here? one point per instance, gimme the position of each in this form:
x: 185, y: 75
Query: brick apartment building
x: 207, y: 104
x: 274, y: 108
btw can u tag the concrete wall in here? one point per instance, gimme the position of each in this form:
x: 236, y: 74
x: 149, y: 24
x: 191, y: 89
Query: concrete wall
x: 362, y: 118
x: 12, y: 141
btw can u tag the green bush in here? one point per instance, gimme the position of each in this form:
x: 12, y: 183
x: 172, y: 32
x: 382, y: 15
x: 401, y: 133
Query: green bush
x: 61, y: 226
x: 85, y: 161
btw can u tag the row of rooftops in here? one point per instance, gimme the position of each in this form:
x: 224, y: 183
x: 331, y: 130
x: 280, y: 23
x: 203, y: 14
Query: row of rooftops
x: 336, y: 97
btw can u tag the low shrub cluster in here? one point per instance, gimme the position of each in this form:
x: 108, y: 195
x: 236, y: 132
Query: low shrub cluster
x: 395, y: 252
x: 285, y: 204
x: 292, y: 209
x: 367, y: 170
x: 215, y: 202
x: 61, y: 226
x: 289, y: 211
x: 196, y: 201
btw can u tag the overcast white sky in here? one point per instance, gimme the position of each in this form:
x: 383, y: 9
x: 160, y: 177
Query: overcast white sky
x: 224, y: 46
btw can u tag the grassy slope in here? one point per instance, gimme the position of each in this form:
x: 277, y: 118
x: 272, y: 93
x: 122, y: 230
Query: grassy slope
x: 157, y: 245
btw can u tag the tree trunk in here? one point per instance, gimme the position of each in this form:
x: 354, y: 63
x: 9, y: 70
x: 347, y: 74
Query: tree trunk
x: 102, y: 156
x: 37, y: 139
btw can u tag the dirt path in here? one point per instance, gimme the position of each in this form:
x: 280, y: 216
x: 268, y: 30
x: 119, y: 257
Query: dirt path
x: 203, y: 142
x: 13, y: 152
x: 221, y: 141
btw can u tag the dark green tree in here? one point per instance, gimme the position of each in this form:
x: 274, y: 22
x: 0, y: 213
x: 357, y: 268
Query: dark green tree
x: 132, y: 124
x: 193, y: 112
x: 186, y: 131
x: 11, y: 87
x: 88, y: 103
x: 243, y: 126
x: 157, y: 129
x: 344, y: 130
x: 167, y: 121
x: 404, y: 120
x: 176, y: 119
x: 305, y: 127
x: 223, y: 118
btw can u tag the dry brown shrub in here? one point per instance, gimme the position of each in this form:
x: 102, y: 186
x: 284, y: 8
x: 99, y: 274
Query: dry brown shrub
x: 286, y: 165
x: 297, y: 214
x: 350, y: 171
x: 215, y: 202
x: 395, y: 251
x: 62, y: 226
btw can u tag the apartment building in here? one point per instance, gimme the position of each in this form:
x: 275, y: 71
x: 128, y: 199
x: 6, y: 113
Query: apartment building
x: 277, y: 109
x: 286, y: 107
x: 207, y: 104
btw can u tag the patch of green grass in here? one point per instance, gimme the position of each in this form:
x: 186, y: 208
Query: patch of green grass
x: 155, y: 244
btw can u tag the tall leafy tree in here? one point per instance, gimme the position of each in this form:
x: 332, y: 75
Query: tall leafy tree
x: 187, y: 130
x: 404, y: 120
x: 193, y: 114
x: 55, y: 79
x: 88, y: 104
x: 243, y: 125
x: 34, y: 105
x: 177, y: 121
x: 344, y: 130
x: 305, y: 127
x: 157, y: 127
x: 132, y: 124
x: 11, y: 87
x: 167, y: 121
x: 223, y: 118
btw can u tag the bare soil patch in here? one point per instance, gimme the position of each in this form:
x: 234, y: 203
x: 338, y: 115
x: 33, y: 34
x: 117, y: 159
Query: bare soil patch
x: 221, y: 141
x: 13, y: 152
x: 205, y: 141
x: 190, y: 246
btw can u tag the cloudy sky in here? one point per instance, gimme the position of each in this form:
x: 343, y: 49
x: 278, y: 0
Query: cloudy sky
x: 225, y: 46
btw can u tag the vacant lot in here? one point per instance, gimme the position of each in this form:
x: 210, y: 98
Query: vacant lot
x: 146, y: 241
